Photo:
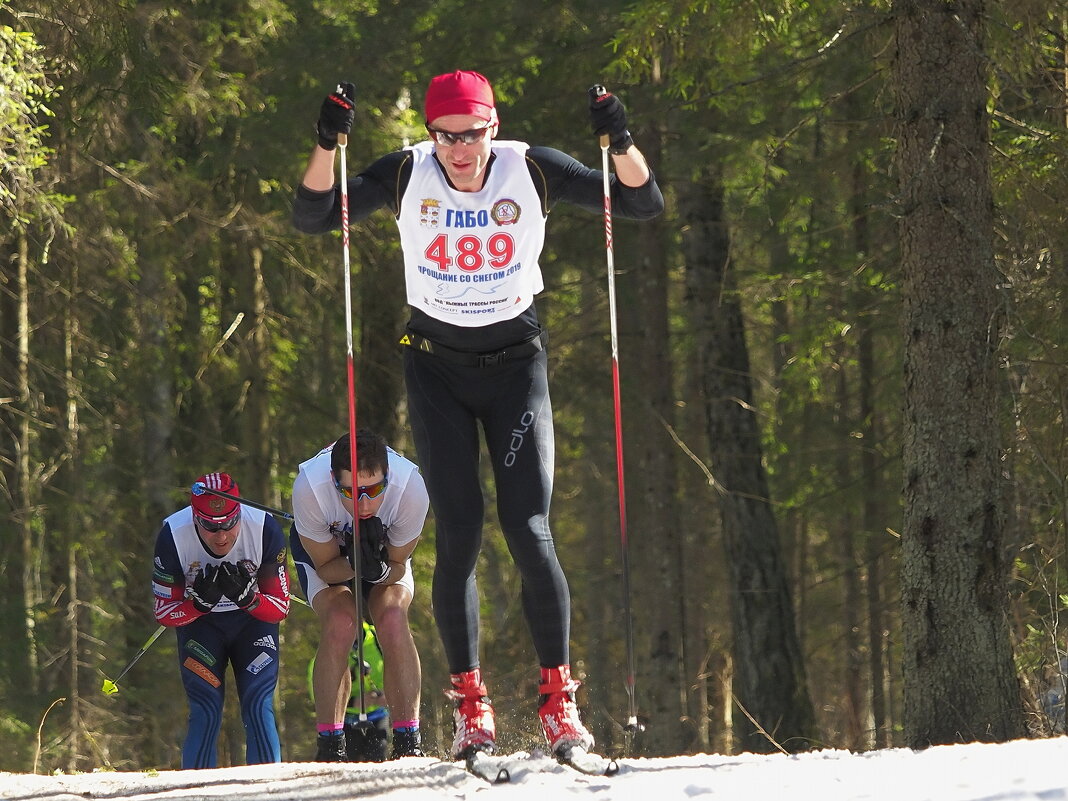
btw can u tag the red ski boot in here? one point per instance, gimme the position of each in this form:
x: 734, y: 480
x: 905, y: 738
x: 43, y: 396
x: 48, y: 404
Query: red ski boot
x: 473, y: 724
x: 559, y: 714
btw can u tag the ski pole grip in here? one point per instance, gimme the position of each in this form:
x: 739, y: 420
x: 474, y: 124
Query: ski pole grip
x: 598, y: 91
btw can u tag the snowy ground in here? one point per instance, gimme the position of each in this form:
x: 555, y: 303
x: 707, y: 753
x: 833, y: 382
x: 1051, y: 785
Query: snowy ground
x: 1017, y: 771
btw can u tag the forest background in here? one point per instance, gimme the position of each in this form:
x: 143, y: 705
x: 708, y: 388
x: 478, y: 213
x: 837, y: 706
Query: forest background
x: 160, y: 318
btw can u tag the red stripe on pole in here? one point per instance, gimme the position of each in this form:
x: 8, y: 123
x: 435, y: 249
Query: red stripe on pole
x: 343, y: 141
x: 624, y: 548
x: 608, y: 221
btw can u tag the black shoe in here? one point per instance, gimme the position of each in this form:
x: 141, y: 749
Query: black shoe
x: 330, y: 748
x: 406, y: 743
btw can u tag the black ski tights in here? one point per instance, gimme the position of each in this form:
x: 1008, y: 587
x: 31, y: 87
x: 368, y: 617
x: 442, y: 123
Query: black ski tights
x: 447, y: 403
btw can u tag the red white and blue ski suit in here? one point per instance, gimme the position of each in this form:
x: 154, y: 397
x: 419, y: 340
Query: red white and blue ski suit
x: 208, y: 641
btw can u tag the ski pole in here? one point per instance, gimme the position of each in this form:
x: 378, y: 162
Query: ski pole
x: 342, y: 146
x: 632, y: 726
x: 111, y: 687
x: 199, y: 488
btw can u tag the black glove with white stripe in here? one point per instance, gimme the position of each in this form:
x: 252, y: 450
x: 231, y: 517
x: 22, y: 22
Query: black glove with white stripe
x: 204, y: 591
x: 238, y: 583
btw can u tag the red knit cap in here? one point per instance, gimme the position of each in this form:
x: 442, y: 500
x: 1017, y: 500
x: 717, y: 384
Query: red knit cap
x: 460, y: 92
x: 212, y: 507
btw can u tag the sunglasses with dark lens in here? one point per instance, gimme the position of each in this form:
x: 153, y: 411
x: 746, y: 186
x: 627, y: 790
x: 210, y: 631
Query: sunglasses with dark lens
x: 370, y: 491
x: 225, y: 525
x: 447, y: 138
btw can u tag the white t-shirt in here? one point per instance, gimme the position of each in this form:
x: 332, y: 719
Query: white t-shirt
x: 471, y: 258
x: 319, y: 514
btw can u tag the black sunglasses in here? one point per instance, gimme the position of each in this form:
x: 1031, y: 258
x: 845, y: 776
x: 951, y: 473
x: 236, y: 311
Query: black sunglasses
x: 448, y: 138
x: 222, y: 525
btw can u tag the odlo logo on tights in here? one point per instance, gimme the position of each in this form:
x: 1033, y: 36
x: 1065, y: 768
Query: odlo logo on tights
x: 518, y: 437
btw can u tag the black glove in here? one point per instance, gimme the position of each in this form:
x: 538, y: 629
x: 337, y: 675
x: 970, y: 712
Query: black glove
x: 609, y: 117
x: 238, y: 583
x: 373, y: 566
x: 350, y: 548
x: 336, y: 115
x: 205, y: 591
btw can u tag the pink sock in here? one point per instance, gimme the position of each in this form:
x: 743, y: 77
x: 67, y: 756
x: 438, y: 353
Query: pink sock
x: 326, y: 728
x: 406, y: 724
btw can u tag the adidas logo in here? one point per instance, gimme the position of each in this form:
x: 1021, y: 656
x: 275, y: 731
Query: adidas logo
x: 265, y: 642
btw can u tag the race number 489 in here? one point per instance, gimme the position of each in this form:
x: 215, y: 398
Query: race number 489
x: 470, y: 253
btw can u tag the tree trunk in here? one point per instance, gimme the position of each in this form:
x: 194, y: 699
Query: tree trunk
x: 17, y: 656
x: 72, y: 515
x: 74, y: 697
x: 769, y: 677
x: 704, y: 581
x: 156, y: 359
x: 878, y: 676
x: 853, y: 669
x: 646, y: 370
x: 872, y: 534
x: 960, y: 684
x: 256, y: 440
